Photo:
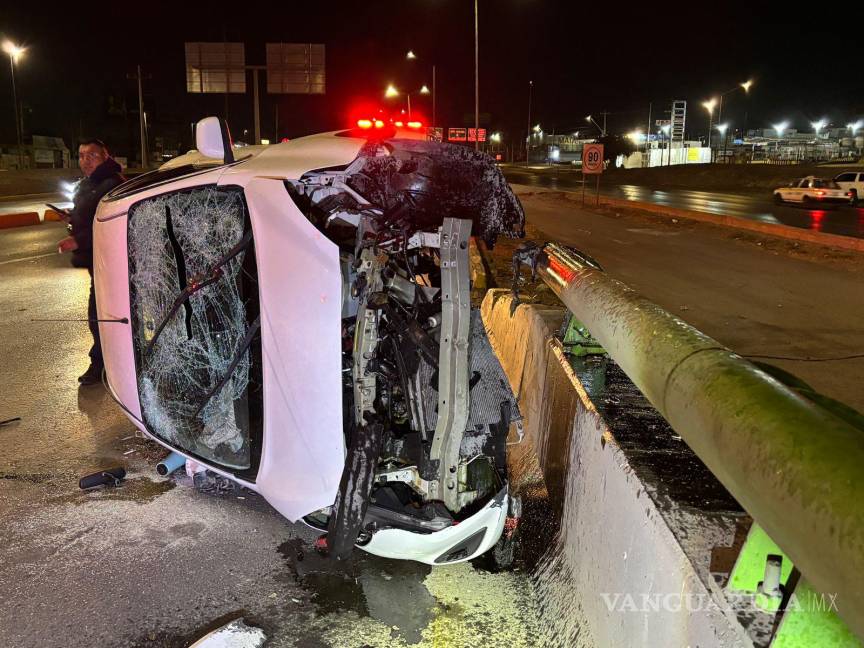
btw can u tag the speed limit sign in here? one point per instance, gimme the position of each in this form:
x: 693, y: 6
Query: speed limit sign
x: 592, y: 158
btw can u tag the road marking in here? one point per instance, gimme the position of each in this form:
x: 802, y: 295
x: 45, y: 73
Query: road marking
x: 31, y: 258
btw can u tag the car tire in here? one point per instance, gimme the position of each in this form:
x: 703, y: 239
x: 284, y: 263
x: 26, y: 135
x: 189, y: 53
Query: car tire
x: 806, y: 200
x: 778, y: 199
x: 853, y: 199
x: 503, y: 554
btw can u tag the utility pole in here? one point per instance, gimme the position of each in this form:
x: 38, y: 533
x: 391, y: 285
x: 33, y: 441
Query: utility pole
x: 18, y: 127
x: 257, y: 107
x: 648, y: 134
x: 434, y: 98
x: 476, y: 79
x: 528, y: 139
x: 141, y: 124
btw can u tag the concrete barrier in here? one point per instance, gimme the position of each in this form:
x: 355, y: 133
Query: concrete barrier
x: 19, y: 220
x: 616, y: 574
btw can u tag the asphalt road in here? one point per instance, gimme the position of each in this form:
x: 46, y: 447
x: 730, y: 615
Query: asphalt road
x: 154, y: 562
x: 756, y: 295
x: 833, y: 219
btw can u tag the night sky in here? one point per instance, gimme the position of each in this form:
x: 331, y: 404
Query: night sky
x: 583, y: 58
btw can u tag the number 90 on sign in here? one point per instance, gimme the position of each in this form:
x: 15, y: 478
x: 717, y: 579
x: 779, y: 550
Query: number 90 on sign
x: 592, y: 158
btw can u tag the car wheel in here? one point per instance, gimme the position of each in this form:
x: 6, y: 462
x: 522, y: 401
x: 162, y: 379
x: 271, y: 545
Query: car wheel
x: 806, y: 200
x: 853, y: 199
x: 503, y: 554
x: 778, y: 199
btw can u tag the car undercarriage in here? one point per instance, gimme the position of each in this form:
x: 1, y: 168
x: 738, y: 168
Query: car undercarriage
x: 427, y: 406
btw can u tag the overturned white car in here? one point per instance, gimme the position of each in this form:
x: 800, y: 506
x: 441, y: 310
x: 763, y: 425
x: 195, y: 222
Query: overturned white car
x: 298, y: 319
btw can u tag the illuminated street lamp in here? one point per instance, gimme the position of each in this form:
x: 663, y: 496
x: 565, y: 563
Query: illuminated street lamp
x: 495, y: 137
x: 818, y: 125
x: 411, y: 56
x: 15, y: 52
x: 746, y: 85
x: 602, y: 130
x: 780, y: 128
x: 709, y: 106
x: 721, y: 128
x: 391, y: 91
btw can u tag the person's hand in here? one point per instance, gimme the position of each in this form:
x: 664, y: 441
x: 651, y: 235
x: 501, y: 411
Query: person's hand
x: 67, y: 244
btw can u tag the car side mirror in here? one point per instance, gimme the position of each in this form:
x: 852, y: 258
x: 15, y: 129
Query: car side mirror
x: 213, y: 139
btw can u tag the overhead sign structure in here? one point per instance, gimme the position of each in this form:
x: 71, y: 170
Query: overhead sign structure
x: 457, y: 134
x: 216, y: 68
x: 435, y: 134
x: 295, y: 68
x: 473, y: 133
x: 592, y: 158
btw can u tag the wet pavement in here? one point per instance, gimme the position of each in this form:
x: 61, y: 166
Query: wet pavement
x: 154, y: 562
x: 831, y: 219
x: 791, y: 304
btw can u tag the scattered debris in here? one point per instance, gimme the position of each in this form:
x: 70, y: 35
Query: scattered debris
x: 111, y: 477
x: 128, y: 452
x: 207, y: 481
x: 11, y: 420
x: 233, y: 635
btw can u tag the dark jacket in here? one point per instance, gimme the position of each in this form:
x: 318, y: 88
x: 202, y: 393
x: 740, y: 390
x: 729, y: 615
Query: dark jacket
x: 87, y: 197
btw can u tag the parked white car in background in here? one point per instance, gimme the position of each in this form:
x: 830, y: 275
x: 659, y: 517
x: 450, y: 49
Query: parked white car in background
x: 811, y: 189
x: 852, y: 181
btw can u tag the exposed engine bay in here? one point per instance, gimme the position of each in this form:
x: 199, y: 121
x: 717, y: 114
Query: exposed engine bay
x: 427, y: 407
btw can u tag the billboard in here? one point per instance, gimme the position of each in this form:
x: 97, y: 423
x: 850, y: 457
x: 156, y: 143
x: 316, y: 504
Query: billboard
x: 457, y: 134
x: 472, y: 134
x: 215, y: 68
x: 295, y: 68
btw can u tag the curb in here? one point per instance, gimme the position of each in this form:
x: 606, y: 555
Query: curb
x: 27, y: 219
x: 19, y: 220
x: 771, y: 229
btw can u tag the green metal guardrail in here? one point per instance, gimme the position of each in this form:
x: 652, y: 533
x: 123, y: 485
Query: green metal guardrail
x: 794, y: 466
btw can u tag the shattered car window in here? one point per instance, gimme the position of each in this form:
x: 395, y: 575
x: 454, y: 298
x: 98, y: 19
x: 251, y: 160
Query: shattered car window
x: 188, y: 253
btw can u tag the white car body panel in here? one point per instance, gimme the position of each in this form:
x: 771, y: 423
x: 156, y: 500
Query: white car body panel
x: 303, y: 444
x: 425, y: 548
x: 857, y: 183
x: 303, y: 451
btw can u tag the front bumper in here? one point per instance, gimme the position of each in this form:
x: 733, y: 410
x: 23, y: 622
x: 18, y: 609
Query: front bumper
x: 463, y: 541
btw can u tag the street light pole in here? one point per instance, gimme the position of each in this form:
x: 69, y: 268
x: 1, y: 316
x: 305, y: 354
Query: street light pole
x: 14, y: 52
x: 528, y: 139
x: 476, y: 79
x: 17, y: 113
x: 434, y: 99
x: 144, y: 160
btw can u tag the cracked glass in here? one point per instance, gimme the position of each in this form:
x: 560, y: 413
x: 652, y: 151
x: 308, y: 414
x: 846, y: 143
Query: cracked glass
x: 189, y: 317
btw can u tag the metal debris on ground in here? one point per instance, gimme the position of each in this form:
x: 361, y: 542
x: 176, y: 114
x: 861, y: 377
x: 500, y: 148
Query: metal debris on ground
x: 233, y: 635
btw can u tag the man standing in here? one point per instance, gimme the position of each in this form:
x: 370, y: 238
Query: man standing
x: 102, y: 174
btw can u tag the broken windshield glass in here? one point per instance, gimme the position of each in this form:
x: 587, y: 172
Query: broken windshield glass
x: 174, y: 238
